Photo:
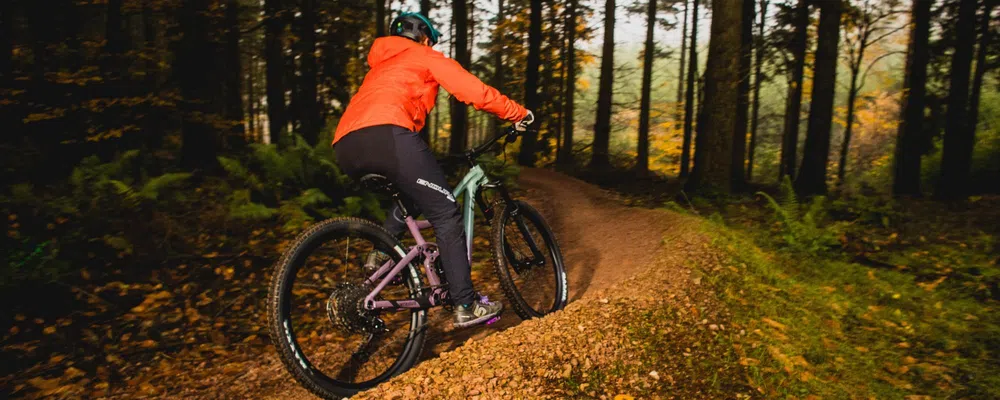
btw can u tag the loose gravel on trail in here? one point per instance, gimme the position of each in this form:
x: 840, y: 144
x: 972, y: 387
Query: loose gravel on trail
x: 638, y: 323
x: 638, y: 327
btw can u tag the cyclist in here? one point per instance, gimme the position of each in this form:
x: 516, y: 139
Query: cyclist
x: 378, y: 134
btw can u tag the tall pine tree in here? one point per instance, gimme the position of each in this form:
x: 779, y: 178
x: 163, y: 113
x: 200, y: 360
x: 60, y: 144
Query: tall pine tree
x: 956, y: 155
x: 816, y: 153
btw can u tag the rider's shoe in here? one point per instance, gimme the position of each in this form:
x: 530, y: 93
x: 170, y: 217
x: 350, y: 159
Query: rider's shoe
x: 477, y: 312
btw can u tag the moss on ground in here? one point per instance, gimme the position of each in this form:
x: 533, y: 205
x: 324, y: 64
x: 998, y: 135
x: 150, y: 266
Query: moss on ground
x: 822, y: 326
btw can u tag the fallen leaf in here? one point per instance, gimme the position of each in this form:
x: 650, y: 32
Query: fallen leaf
x: 773, y: 323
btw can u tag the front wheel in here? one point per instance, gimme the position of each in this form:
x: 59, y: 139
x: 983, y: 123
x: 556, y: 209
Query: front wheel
x: 528, y: 261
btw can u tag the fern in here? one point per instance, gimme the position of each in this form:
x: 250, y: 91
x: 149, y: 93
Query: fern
x: 123, y: 189
x: 237, y: 170
x: 789, y: 200
x: 154, y: 187
x: 241, y: 208
x: 251, y: 212
x: 295, y: 216
x: 275, y: 166
x: 802, y: 231
x: 150, y: 191
x: 23, y: 193
x: 311, y: 198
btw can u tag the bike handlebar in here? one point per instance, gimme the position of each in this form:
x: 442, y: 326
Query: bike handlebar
x: 510, y: 133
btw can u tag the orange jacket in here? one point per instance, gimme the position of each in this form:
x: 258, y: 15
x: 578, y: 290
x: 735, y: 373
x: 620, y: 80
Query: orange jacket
x: 403, y: 82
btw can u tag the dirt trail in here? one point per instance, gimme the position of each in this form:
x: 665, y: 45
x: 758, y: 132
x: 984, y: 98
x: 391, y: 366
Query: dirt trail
x: 639, y: 324
x: 603, y: 241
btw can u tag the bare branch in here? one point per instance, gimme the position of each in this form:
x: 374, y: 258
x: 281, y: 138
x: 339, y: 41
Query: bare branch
x: 864, y: 76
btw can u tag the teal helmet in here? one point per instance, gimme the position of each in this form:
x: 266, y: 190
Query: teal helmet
x: 414, y: 26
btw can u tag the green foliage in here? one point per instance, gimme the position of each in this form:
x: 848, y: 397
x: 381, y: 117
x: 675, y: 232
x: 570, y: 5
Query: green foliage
x: 803, y: 231
x: 152, y: 189
x: 870, y: 210
x: 236, y: 170
x: 677, y: 208
x: 835, y: 329
x: 365, y: 203
x: 241, y: 208
x: 30, y: 260
x: 297, y: 184
x: 104, y: 204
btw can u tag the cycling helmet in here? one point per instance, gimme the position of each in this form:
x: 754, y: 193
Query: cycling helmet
x: 414, y: 26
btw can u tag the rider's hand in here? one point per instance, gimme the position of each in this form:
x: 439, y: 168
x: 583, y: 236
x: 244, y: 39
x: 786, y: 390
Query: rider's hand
x: 523, y: 124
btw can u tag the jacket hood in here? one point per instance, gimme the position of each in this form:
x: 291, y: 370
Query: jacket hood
x: 385, y: 48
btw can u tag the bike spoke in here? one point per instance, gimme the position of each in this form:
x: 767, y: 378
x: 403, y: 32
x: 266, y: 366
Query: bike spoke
x: 532, y: 270
x: 328, y: 317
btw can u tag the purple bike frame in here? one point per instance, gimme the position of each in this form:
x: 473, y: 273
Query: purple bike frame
x: 388, y: 271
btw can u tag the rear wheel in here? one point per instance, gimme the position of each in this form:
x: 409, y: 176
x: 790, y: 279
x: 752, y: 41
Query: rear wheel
x: 528, y: 261
x: 327, y: 340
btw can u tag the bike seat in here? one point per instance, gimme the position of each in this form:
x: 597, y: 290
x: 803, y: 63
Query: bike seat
x: 379, y: 184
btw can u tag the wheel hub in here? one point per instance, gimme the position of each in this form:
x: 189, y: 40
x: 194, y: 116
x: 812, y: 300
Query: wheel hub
x: 346, y: 310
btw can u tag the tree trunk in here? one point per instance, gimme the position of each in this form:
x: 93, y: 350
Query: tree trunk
x: 757, y: 77
x: 193, y: 69
x: 293, y: 113
x: 642, y: 151
x: 425, y: 8
x: 568, y: 117
x: 498, y: 76
x: 472, y: 28
x: 793, y: 102
x: 555, y: 78
x: 425, y: 132
x: 743, y: 95
x: 713, y: 150
x: 956, y: 155
x: 234, y: 75
x: 6, y: 43
x: 252, y: 100
x: 816, y: 154
x: 602, y: 128
x: 531, y: 97
x: 148, y: 26
x: 9, y: 118
x: 909, y: 139
x: 981, y: 67
x: 679, y: 112
x: 310, y: 118
x: 689, y: 95
x: 379, y: 18
x: 459, y: 127
x: 275, y: 75
x: 852, y: 95
x: 115, y: 35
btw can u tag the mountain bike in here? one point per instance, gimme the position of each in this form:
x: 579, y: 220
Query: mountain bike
x: 348, y: 303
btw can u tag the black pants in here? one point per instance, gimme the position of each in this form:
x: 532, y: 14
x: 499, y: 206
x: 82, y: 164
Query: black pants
x: 405, y: 159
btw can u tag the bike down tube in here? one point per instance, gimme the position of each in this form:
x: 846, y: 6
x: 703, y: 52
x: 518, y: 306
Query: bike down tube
x: 421, y: 247
x: 469, y: 185
x: 414, y: 252
x: 429, y: 256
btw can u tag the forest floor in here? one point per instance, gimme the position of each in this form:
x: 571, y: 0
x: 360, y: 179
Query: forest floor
x: 704, y: 300
x: 635, y: 325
